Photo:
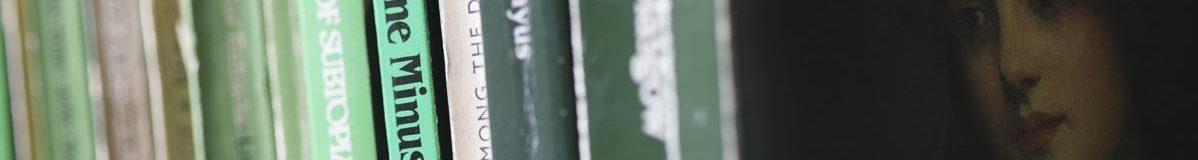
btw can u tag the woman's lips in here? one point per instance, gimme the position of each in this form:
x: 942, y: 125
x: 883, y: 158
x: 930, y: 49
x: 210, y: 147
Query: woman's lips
x: 1036, y: 130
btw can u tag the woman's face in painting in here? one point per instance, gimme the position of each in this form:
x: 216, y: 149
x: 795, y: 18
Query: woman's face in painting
x: 1045, y: 76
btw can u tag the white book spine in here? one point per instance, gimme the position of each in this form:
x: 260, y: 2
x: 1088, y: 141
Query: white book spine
x: 461, y: 26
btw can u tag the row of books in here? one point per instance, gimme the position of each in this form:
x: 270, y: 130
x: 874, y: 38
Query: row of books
x: 366, y: 79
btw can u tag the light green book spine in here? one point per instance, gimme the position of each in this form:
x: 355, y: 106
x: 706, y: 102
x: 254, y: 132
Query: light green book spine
x: 285, y: 69
x: 404, y: 62
x: 337, y: 79
x: 233, y: 88
x: 285, y: 78
x: 56, y: 60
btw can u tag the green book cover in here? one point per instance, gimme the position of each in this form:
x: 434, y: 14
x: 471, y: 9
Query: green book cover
x: 651, y: 80
x: 172, y: 66
x: 229, y: 47
x: 60, y: 113
x: 286, y: 81
x: 337, y: 79
x: 401, y: 41
x: 124, y: 90
x: 528, y: 77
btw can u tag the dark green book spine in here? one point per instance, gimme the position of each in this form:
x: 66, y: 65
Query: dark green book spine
x: 528, y: 78
x: 237, y: 120
x: 652, y: 80
x: 60, y: 113
x: 703, y: 80
x: 404, y: 62
x: 337, y: 78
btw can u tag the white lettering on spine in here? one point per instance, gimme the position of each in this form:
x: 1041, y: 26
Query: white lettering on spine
x: 333, y: 70
x: 521, y: 33
x: 652, y: 68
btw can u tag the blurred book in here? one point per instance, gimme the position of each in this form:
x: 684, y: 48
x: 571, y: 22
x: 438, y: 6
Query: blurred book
x: 529, y: 89
x: 285, y: 78
x: 651, y: 80
x: 55, y: 113
x: 233, y: 80
x: 173, y: 78
x: 6, y: 141
x: 123, y: 87
x: 17, y: 107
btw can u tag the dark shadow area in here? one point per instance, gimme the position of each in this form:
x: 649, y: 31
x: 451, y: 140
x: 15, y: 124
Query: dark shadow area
x: 837, y: 79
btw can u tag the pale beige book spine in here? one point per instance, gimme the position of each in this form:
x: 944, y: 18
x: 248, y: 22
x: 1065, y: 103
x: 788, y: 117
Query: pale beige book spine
x: 123, y: 87
x: 461, y: 32
x: 18, y: 102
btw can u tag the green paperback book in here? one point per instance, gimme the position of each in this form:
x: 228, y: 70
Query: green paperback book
x: 337, y: 78
x: 229, y: 45
x: 528, y: 77
x: 58, y: 104
x: 652, y: 79
x: 124, y: 90
x: 401, y: 42
x: 284, y: 70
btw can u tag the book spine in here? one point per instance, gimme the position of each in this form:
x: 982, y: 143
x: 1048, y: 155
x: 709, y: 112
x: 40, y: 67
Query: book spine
x: 124, y: 93
x: 337, y: 79
x: 15, y: 75
x: 237, y: 120
x: 6, y: 143
x: 59, y: 110
x: 465, y: 71
x: 528, y: 79
x: 400, y: 39
x: 669, y: 75
x: 284, y: 70
x: 172, y: 69
x: 699, y: 74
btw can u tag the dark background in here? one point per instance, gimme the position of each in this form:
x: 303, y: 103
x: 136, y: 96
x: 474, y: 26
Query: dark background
x: 855, y: 79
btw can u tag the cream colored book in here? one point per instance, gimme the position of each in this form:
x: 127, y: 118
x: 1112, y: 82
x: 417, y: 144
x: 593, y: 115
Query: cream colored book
x: 465, y: 79
x: 123, y: 87
x: 16, y: 106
